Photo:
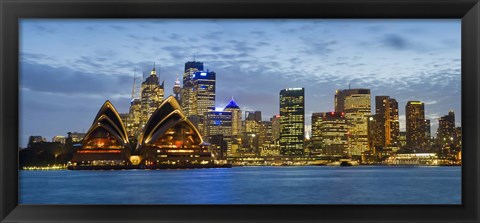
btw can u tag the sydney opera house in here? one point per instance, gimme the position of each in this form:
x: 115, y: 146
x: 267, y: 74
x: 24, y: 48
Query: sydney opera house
x: 168, y: 140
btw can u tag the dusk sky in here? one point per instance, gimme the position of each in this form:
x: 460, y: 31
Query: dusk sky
x: 68, y: 68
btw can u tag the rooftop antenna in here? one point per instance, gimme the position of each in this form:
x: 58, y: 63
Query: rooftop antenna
x: 193, y: 57
x: 349, y: 86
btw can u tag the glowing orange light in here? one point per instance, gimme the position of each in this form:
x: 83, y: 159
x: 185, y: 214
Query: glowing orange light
x: 178, y: 144
x: 99, y: 151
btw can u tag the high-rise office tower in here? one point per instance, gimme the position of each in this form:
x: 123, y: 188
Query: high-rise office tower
x: 415, y: 124
x: 334, y: 133
x: 187, y: 91
x: 204, y: 95
x: 292, y: 121
x: 446, y: 132
x: 233, y: 107
x: 356, y: 105
x: 134, y: 120
x: 219, y: 130
x: 386, y: 110
x: 375, y: 132
x: 275, y: 127
x: 316, y: 137
x: 251, y: 133
x: 428, y: 132
x: 152, y: 93
x: 265, y: 134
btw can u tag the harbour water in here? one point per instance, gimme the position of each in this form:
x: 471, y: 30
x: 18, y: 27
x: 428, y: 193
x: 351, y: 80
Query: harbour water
x: 246, y: 185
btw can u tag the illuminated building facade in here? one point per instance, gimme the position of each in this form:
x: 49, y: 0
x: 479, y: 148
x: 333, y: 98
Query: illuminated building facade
x: 237, y: 127
x: 152, y: 94
x: 251, y: 134
x: 187, y: 91
x: 204, y: 95
x: 334, y: 133
x: 428, y: 135
x: 134, y: 122
x: 375, y: 130
x: 446, y: 132
x: 403, y: 139
x: 316, y: 138
x: 233, y: 107
x: 265, y: 136
x: 106, y: 142
x: 356, y: 105
x: 275, y: 127
x: 386, y: 109
x: 75, y: 137
x: 36, y: 139
x: 415, y: 125
x: 292, y: 121
x: 219, y: 130
x: 169, y: 138
x: 59, y: 139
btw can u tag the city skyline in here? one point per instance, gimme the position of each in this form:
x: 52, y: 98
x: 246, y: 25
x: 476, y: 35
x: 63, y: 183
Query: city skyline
x: 44, y: 96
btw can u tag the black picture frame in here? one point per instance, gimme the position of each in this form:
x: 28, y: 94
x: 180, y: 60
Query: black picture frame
x: 12, y: 10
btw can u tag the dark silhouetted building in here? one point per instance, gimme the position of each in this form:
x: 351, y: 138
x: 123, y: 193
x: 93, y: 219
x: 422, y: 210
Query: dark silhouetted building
x: 415, y: 125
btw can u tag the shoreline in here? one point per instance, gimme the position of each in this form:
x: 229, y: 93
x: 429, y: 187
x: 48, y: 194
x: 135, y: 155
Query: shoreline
x: 46, y: 168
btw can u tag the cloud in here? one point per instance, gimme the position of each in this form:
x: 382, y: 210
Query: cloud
x: 395, y: 41
x: 64, y: 80
x: 45, y: 29
x: 118, y: 28
x: 431, y: 102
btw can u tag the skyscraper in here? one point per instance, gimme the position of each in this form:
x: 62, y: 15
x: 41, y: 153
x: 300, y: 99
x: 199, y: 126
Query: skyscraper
x: 219, y: 130
x: 334, y: 133
x: 415, y: 124
x: 204, y: 87
x: 428, y: 132
x: 386, y: 109
x: 233, y: 107
x: 275, y: 127
x: 375, y: 132
x: 316, y: 138
x: 356, y: 105
x: 292, y: 121
x: 446, y: 132
x: 152, y: 93
x: 251, y: 133
x: 133, y: 124
x: 204, y: 95
x: 187, y: 91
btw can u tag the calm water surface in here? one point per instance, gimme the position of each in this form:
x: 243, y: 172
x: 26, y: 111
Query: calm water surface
x: 246, y: 185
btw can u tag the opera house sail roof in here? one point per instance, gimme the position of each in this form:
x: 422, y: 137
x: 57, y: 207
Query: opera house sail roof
x: 107, y: 130
x: 106, y: 142
x: 169, y: 138
x: 168, y: 126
